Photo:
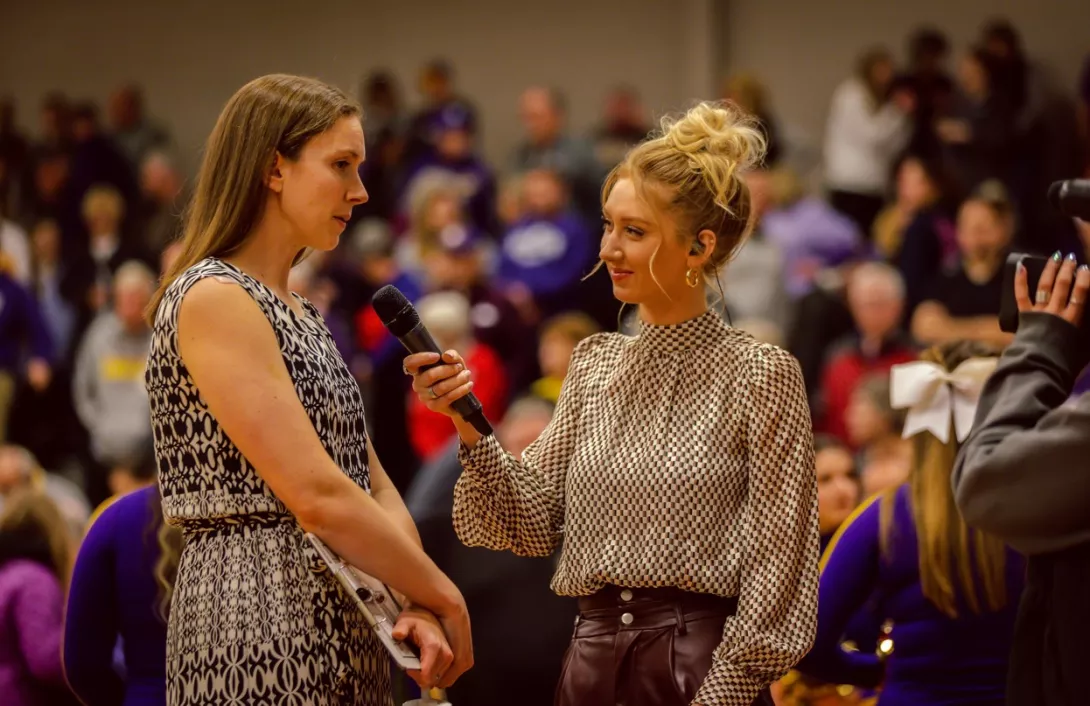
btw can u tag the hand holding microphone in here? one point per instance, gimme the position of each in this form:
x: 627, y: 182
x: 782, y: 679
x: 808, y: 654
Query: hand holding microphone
x: 441, y: 379
x: 440, y: 382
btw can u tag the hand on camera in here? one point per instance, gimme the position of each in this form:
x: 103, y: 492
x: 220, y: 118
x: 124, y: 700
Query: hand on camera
x: 1061, y: 291
x: 441, y: 386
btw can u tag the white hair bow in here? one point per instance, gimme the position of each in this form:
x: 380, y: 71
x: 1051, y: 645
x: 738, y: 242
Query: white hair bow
x: 932, y: 395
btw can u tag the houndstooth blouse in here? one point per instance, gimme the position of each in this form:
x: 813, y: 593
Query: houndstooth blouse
x: 680, y: 457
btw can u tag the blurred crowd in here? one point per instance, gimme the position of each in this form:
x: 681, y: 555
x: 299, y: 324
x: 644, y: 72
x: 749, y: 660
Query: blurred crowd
x: 935, y: 167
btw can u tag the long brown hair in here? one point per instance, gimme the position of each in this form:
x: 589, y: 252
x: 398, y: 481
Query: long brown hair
x: 275, y: 114
x: 956, y: 563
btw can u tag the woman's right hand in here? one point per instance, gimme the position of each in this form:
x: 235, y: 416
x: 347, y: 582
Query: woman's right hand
x: 439, y: 387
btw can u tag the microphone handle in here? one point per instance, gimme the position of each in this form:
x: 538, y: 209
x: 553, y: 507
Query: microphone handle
x: 419, y: 340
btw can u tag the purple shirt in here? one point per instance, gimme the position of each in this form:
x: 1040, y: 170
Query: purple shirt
x: 811, y: 235
x: 936, y: 660
x: 31, y: 615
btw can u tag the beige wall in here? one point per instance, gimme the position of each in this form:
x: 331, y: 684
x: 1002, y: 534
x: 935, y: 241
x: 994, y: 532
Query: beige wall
x: 192, y: 55
x: 803, y: 48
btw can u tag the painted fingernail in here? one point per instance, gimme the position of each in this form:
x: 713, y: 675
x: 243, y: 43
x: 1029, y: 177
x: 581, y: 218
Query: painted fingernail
x: 1083, y: 268
x: 1022, y: 267
x: 1071, y: 256
x: 1056, y: 256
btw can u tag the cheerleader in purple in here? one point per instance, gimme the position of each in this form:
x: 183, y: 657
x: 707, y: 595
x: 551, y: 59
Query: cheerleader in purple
x: 946, y: 594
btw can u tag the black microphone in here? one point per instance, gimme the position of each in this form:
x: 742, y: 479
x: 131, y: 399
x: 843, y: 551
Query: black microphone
x: 1071, y: 197
x: 400, y: 318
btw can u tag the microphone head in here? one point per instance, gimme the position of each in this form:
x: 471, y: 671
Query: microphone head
x: 395, y: 311
x: 1054, y: 193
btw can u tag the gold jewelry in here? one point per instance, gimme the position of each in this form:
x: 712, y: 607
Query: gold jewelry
x: 692, y: 278
x: 1042, y: 296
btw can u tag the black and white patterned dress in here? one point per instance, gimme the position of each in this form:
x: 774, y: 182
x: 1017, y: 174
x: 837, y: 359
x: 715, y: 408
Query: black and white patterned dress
x: 256, y: 618
x: 681, y: 457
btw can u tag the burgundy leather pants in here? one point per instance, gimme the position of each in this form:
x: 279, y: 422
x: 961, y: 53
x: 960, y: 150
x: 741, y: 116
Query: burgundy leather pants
x: 643, y: 647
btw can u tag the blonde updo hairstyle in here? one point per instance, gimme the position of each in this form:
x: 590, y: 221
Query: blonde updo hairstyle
x: 701, y: 158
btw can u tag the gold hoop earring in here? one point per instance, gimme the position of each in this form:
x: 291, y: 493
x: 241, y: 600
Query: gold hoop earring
x: 692, y: 278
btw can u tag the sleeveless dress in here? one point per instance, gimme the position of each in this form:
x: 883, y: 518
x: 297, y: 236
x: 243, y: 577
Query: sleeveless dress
x: 256, y: 617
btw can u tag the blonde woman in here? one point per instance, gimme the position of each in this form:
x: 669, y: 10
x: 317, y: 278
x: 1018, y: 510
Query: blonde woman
x: 678, y: 472
x: 260, y: 434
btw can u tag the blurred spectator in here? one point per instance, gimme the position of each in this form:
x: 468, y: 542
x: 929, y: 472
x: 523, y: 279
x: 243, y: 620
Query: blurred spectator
x: 133, y: 472
x: 446, y: 316
x: 876, y: 297
x: 162, y: 202
x: 917, y: 232
x: 546, y: 253
x: 508, y: 595
x: 868, y: 126
x: 918, y: 189
x: 751, y: 96
x: 15, y: 247
x: 47, y: 196
x: 121, y: 589
x: 25, y: 344
x: 978, y: 134
x: 963, y: 303
x: 134, y: 133
x: 108, y: 384
x: 753, y: 282
x: 384, y: 128
x: 54, y: 126
x: 436, y: 86
x: 456, y: 262
x: 435, y: 203
x: 837, y: 483
x: 874, y: 428
x: 94, y: 265
x: 20, y: 470
x: 811, y: 235
x: 14, y: 163
x: 35, y: 558
x: 96, y: 161
x: 946, y: 594
x: 559, y: 337
x: 623, y: 127
x: 546, y: 145
x: 453, y: 155
x: 51, y: 284
x: 928, y: 80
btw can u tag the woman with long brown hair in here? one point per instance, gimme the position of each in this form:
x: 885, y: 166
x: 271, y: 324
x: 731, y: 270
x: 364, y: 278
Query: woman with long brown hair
x: 946, y: 593
x: 260, y: 434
